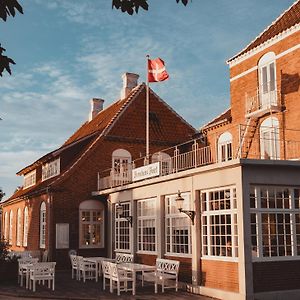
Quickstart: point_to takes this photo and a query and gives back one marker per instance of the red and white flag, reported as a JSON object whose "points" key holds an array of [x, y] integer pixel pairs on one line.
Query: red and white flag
{"points": [[156, 70]]}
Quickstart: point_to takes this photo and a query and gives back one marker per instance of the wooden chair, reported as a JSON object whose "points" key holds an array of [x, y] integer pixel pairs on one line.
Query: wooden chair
{"points": [[124, 258], [43, 271], [120, 279], [21, 270], [166, 274], [106, 273], [86, 269], [74, 265]]}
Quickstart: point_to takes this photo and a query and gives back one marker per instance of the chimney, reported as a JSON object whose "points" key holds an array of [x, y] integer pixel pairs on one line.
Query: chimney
{"points": [[130, 81], [96, 107]]}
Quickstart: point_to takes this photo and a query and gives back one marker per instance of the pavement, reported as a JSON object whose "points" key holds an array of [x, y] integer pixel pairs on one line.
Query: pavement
{"points": [[68, 288]]}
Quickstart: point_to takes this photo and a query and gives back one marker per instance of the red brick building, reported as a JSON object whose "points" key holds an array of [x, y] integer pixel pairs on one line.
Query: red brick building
{"points": [[54, 210], [240, 236]]}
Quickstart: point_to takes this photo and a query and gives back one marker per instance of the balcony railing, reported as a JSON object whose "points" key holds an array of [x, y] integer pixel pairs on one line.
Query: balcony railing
{"points": [[263, 99], [278, 144]]}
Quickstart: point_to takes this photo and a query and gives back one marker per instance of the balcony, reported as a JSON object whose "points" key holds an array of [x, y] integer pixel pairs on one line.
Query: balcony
{"points": [[267, 143], [265, 99]]}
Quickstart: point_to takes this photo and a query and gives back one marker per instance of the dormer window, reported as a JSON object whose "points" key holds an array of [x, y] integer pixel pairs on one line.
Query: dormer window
{"points": [[29, 179], [51, 169]]}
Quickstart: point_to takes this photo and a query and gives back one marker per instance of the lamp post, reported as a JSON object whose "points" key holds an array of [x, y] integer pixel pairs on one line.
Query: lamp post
{"points": [[120, 212], [179, 203]]}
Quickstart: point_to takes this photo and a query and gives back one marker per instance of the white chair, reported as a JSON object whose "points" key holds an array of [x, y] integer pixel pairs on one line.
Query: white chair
{"points": [[21, 270], [74, 265], [86, 269], [120, 279], [124, 258], [106, 273], [43, 271], [166, 274]]}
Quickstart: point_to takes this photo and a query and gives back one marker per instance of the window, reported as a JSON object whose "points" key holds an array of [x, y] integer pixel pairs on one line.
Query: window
{"points": [[6, 224], [165, 162], [62, 236], [121, 165], [43, 225], [178, 227], [30, 179], [91, 220], [225, 147], [19, 227], [146, 210], [267, 80], [275, 222], [51, 169], [122, 229], [219, 223], [25, 236], [10, 237], [269, 139]]}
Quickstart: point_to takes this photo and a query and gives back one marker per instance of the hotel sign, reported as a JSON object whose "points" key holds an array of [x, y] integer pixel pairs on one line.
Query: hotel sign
{"points": [[145, 172]]}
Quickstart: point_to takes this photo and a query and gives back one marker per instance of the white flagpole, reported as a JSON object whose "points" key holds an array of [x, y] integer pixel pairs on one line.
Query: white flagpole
{"points": [[147, 113]]}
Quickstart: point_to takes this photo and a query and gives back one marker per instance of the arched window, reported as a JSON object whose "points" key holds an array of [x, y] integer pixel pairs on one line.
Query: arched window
{"points": [[165, 162], [19, 228], [121, 165], [267, 80], [225, 147], [6, 226], [91, 224], [43, 225], [10, 237], [269, 139], [25, 235]]}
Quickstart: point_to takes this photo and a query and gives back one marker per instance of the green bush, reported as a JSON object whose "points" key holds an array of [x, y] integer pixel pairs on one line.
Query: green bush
{"points": [[4, 250]]}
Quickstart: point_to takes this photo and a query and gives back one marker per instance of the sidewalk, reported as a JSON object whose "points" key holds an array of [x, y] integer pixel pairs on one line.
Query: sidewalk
{"points": [[66, 288]]}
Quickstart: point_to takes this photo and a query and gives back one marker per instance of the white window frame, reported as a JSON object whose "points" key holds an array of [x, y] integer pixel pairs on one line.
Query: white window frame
{"points": [[269, 139], [289, 229], [122, 224], [10, 236], [51, 169], [165, 161], [225, 147], [30, 179], [176, 222], [25, 226], [19, 227], [146, 215], [218, 205], [43, 222], [6, 224], [62, 236], [267, 80], [89, 208], [121, 165]]}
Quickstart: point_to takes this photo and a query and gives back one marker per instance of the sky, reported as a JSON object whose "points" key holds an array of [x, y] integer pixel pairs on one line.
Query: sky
{"points": [[69, 51]]}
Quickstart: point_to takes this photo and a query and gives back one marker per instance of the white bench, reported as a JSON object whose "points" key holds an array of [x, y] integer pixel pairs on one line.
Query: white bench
{"points": [[165, 274], [41, 272]]}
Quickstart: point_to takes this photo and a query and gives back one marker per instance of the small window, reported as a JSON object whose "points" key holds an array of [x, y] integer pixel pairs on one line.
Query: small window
{"points": [[19, 228], [26, 220], [91, 223], [165, 162], [10, 237], [6, 224], [43, 225], [121, 166], [30, 179], [51, 169]]}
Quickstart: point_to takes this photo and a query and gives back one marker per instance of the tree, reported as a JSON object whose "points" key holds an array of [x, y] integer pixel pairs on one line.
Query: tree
{"points": [[7, 8], [2, 194], [131, 6]]}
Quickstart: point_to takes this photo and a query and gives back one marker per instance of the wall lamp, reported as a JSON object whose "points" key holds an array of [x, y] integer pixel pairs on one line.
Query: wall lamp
{"points": [[120, 212], [179, 203]]}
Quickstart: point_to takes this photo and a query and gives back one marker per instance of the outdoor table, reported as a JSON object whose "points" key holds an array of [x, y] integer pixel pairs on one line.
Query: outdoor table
{"points": [[98, 261], [134, 268]]}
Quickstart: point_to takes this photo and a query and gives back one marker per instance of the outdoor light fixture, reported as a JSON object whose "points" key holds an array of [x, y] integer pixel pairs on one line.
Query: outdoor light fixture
{"points": [[120, 211], [179, 203]]}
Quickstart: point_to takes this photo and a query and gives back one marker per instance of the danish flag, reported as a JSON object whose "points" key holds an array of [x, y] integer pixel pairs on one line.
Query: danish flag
{"points": [[156, 70]]}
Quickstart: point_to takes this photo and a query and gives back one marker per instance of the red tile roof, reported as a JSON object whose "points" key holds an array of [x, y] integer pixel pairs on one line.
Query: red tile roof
{"points": [[286, 20], [222, 118]]}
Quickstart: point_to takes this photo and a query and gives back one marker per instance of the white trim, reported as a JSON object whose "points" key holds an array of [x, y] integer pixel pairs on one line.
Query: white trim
{"points": [[25, 226], [294, 48], [43, 225], [19, 227], [234, 61]]}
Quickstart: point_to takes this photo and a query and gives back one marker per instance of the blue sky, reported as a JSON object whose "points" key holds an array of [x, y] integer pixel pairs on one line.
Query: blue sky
{"points": [[69, 51]]}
